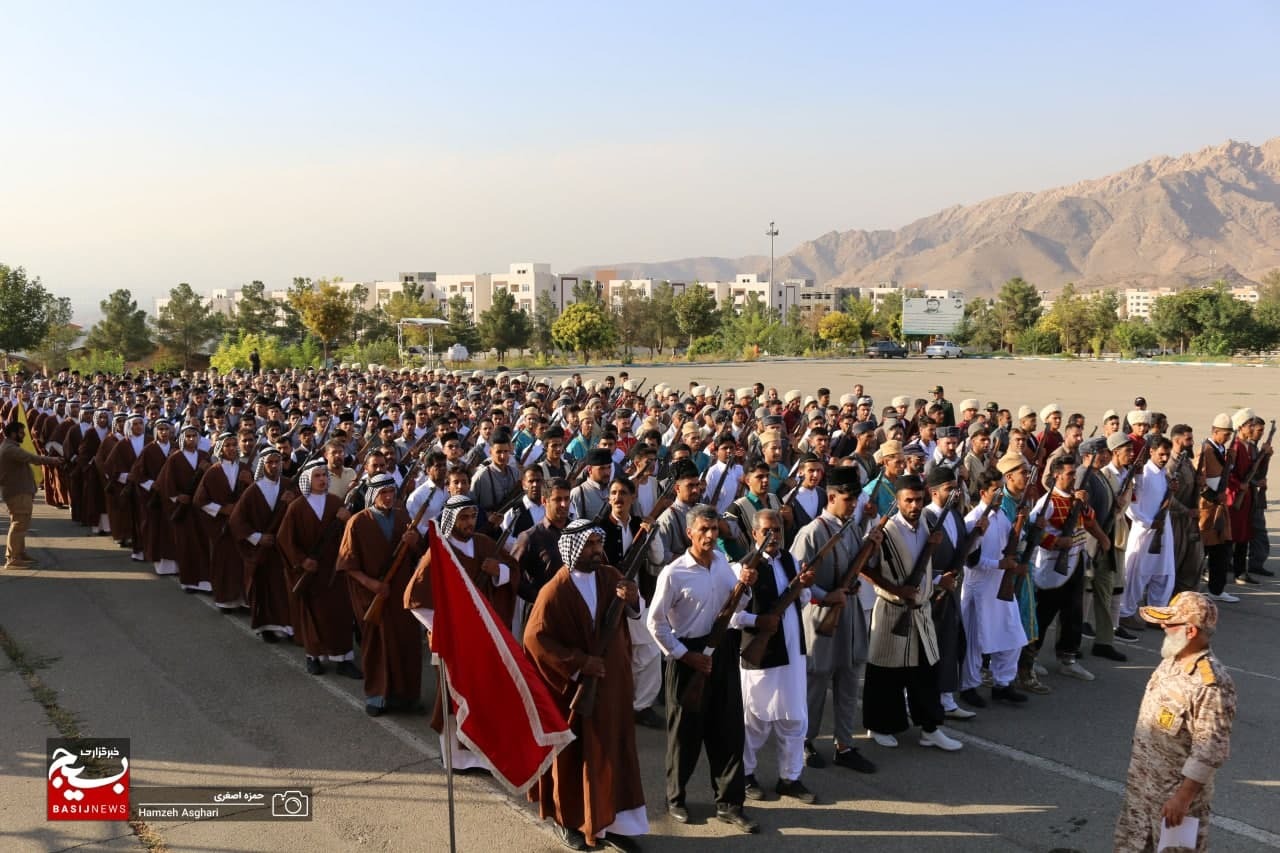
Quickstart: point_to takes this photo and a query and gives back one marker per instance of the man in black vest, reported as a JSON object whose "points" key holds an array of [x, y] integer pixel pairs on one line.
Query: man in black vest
{"points": [[774, 694], [941, 482]]}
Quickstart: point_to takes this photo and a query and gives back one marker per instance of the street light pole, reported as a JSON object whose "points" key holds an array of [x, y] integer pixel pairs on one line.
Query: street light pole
{"points": [[771, 233]]}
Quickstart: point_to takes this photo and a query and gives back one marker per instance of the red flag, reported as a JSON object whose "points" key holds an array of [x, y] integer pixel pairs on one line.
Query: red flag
{"points": [[504, 710]]}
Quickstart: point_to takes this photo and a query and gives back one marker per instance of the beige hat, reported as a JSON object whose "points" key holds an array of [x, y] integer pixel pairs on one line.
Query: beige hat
{"points": [[1186, 608], [890, 448], [1026, 412], [769, 436], [900, 401], [1110, 413], [1010, 462], [848, 400], [1222, 421], [630, 385], [567, 383], [810, 400], [700, 390], [1242, 417], [478, 374], [1048, 410], [970, 403], [1139, 416], [747, 392], [793, 394]]}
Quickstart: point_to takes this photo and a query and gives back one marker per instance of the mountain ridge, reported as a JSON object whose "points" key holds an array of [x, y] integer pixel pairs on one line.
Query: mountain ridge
{"points": [[1168, 221]]}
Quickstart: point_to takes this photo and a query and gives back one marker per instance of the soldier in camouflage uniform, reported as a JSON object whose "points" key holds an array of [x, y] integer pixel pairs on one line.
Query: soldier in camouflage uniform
{"points": [[1183, 733]]}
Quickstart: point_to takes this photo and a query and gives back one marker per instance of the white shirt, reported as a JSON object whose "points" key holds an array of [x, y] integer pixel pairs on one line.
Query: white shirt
{"points": [[687, 599]]}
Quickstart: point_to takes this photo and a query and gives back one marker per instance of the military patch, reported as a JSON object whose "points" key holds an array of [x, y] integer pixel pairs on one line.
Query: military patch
{"points": [[1205, 670], [1166, 719]]}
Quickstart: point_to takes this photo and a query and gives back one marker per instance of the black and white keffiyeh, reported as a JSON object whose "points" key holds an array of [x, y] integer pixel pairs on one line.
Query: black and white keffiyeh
{"points": [[452, 508], [260, 464], [574, 538], [304, 478], [377, 484], [220, 441]]}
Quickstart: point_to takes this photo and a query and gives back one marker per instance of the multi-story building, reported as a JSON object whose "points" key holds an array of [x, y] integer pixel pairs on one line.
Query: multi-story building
{"points": [[1139, 300]]}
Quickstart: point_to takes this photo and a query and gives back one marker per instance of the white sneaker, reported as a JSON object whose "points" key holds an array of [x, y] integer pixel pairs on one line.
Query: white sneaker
{"points": [[940, 739], [887, 741], [1039, 668], [1075, 670], [959, 713], [1225, 597]]}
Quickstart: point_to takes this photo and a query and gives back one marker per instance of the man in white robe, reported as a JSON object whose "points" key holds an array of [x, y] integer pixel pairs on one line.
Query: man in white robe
{"points": [[1146, 574], [774, 694]]}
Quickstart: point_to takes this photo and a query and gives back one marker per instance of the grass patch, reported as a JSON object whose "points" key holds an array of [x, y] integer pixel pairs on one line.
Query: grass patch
{"points": [[67, 724]]}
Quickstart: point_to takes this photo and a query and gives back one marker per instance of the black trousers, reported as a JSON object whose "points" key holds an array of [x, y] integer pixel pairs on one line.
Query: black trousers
{"points": [[1240, 558], [1219, 557], [718, 727], [882, 707], [1067, 603]]}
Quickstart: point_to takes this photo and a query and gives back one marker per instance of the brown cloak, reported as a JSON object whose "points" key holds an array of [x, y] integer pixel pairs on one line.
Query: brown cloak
{"points": [[322, 607], [265, 586], [156, 540], [191, 548], [226, 571]]}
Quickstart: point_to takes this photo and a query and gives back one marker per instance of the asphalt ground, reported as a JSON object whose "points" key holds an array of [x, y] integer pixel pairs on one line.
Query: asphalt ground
{"points": [[126, 654]]}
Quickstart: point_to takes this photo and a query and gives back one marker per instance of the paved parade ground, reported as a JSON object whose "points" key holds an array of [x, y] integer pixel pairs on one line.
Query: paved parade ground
{"points": [[100, 645]]}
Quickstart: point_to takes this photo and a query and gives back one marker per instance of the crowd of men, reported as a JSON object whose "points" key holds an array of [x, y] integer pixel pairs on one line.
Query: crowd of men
{"points": [[711, 562]]}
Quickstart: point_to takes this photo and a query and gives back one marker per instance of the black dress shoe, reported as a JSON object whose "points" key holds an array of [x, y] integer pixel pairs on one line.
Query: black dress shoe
{"points": [[796, 791], [374, 710], [649, 719], [736, 817], [754, 791], [1102, 650], [570, 838], [1243, 579], [973, 698], [314, 666], [349, 669], [853, 760], [1266, 573], [622, 843], [812, 757], [270, 637], [1009, 694], [678, 813]]}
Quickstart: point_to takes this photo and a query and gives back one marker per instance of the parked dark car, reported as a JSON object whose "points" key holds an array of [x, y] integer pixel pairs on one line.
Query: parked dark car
{"points": [[886, 349]]}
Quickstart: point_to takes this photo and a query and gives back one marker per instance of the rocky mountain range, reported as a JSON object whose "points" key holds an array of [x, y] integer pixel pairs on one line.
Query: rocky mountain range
{"points": [[1169, 221]]}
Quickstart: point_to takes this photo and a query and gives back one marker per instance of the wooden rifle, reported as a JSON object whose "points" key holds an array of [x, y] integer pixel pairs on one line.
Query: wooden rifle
{"points": [[1162, 516], [1005, 592], [583, 703], [374, 614], [1061, 564], [724, 475], [902, 625], [971, 539], [692, 695], [830, 617]]}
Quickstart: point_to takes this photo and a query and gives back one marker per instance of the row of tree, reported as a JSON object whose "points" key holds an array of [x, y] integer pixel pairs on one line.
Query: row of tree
{"points": [[317, 320]]}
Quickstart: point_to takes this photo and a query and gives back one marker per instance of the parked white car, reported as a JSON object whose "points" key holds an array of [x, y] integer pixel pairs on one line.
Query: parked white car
{"points": [[943, 349]]}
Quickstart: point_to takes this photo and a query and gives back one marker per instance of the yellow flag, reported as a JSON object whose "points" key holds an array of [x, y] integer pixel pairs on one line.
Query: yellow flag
{"points": [[29, 445]]}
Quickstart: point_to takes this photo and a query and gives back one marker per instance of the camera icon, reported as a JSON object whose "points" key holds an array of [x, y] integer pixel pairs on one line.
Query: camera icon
{"points": [[290, 804]]}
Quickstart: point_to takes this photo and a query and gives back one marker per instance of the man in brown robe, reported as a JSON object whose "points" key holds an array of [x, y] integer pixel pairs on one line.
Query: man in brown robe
{"points": [[105, 448], [94, 512], [125, 517], [219, 489], [253, 525], [57, 492], [157, 543], [308, 541], [75, 475], [176, 483], [390, 648], [489, 569], [593, 788]]}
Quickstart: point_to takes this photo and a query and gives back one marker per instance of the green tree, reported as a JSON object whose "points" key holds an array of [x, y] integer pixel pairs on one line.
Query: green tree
{"points": [[695, 311], [583, 327], [325, 310], [186, 324], [585, 290], [888, 317], [756, 325], [122, 329], [462, 329], [503, 326], [544, 318], [1017, 309], [1173, 319], [53, 351], [660, 327], [1103, 315], [1133, 336], [979, 328], [840, 329], [255, 312], [862, 314], [25, 308], [630, 316], [1266, 314], [1069, 318], [1226, 323]]}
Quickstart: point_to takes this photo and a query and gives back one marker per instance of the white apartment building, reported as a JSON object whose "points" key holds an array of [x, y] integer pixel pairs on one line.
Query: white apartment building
{"points": [[1138, 300], [878, 293]]}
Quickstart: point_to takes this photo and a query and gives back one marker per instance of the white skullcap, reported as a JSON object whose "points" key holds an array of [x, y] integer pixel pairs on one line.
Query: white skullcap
{"points": [[1026, 412], [793, 394]]}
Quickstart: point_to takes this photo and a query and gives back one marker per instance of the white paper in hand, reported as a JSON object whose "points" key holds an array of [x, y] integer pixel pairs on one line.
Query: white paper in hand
{"points": [[1182, 835]]}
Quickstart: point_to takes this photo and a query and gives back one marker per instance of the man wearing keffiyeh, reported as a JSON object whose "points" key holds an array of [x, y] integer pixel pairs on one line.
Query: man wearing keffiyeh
{"points": [[593, 790], [253, 524]]}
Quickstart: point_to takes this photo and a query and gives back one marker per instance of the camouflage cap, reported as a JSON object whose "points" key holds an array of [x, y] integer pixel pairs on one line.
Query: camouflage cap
{"points": [[1186, 608]]}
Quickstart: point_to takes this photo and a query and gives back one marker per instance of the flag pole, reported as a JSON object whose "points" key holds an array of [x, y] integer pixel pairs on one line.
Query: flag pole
{"points": [[449, 738]]}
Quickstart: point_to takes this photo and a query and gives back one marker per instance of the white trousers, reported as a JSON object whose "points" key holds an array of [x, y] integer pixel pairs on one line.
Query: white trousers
{"points": [[1146, 575], [646, 670], [1004, 665], [790, 735]]}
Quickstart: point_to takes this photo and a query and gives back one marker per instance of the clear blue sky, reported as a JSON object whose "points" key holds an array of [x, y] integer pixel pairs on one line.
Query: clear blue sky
{"points": [[151, 143]]}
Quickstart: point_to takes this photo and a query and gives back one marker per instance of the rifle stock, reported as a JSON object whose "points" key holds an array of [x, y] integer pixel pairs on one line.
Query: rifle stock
{"points": [[902, 624], [373, 615], [849, 581]]}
